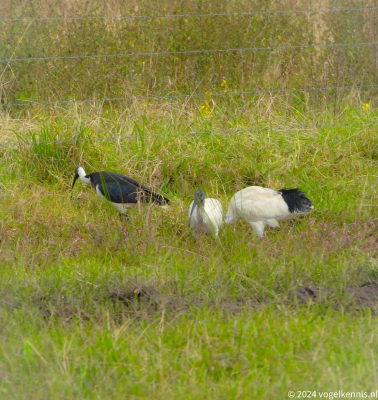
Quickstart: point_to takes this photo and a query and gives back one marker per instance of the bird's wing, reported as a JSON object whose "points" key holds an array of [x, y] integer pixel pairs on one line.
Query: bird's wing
{"points": [[117, 193], [257, 205], [149, 195], [214, 211], [122, 189], [191, 213]]}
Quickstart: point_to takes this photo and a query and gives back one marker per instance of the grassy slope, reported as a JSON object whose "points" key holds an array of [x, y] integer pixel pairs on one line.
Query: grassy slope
{"points": [[61, 336]]}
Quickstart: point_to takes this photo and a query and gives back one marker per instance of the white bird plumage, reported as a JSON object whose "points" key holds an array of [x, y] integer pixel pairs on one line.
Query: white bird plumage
{"points": [[260, 206], [205, 214]]}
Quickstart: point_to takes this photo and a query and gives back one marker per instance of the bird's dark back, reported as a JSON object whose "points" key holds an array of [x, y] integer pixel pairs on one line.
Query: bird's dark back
{"points": [[122, 189]]}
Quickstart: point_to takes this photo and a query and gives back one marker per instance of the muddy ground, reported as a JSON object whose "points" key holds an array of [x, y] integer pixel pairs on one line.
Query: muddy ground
{"points": [[131, 300], [349, 297]]}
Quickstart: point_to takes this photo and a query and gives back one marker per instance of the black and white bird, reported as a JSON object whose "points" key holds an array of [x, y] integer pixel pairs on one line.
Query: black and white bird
{"points": [[205, 214], [260, 206], [121, 191]]}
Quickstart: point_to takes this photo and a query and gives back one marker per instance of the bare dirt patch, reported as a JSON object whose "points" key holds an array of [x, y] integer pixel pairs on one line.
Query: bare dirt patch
{"points": [[135, 300], [147, 296], [350, 297]]}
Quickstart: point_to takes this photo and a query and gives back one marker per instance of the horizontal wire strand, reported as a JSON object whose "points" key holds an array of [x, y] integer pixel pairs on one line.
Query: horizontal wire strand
{"points": [[189, 52], [200, 51], [188, 15], [186, 96]]}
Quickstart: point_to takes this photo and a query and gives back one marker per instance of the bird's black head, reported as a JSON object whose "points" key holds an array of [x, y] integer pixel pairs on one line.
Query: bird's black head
{"points": [[296, 201], [199, 197]]}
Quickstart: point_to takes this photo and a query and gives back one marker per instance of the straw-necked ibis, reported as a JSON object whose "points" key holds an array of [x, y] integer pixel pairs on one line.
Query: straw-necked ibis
{"points": [[121, 191]]}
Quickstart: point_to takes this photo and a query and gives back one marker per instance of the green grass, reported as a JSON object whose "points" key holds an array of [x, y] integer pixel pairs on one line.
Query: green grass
{"points": [[94, 306], [222, 323]]}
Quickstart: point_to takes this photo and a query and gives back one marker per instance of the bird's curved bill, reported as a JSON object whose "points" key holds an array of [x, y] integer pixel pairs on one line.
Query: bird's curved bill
{"points": [[74, 180]]}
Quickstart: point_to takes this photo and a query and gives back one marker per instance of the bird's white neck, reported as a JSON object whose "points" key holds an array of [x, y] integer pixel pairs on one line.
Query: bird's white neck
{"points": [[82, 175]]}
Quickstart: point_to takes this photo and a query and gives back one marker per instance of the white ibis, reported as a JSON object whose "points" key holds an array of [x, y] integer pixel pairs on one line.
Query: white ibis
{"points": [[121, 191], [205, 215], [260, 206]]}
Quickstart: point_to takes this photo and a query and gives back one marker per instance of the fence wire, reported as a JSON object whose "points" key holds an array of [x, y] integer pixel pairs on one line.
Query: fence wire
{"points": [[189, 96], [190, 52], [311, 46], [199, 15]]}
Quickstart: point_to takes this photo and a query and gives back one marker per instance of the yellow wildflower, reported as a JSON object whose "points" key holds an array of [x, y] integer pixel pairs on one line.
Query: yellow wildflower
{"points": [[205, 109]]}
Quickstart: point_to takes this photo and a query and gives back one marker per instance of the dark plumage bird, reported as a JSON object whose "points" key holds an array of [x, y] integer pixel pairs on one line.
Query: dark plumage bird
{"points": [[260, 206], [121, 191]]}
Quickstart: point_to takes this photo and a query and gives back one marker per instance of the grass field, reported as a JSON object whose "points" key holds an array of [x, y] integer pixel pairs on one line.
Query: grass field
{"points": [[94, 306], [208, 318]]}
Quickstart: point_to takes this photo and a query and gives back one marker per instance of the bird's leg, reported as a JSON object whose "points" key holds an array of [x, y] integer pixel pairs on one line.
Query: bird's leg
{"points": [[148, 217], [124, 216]]}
